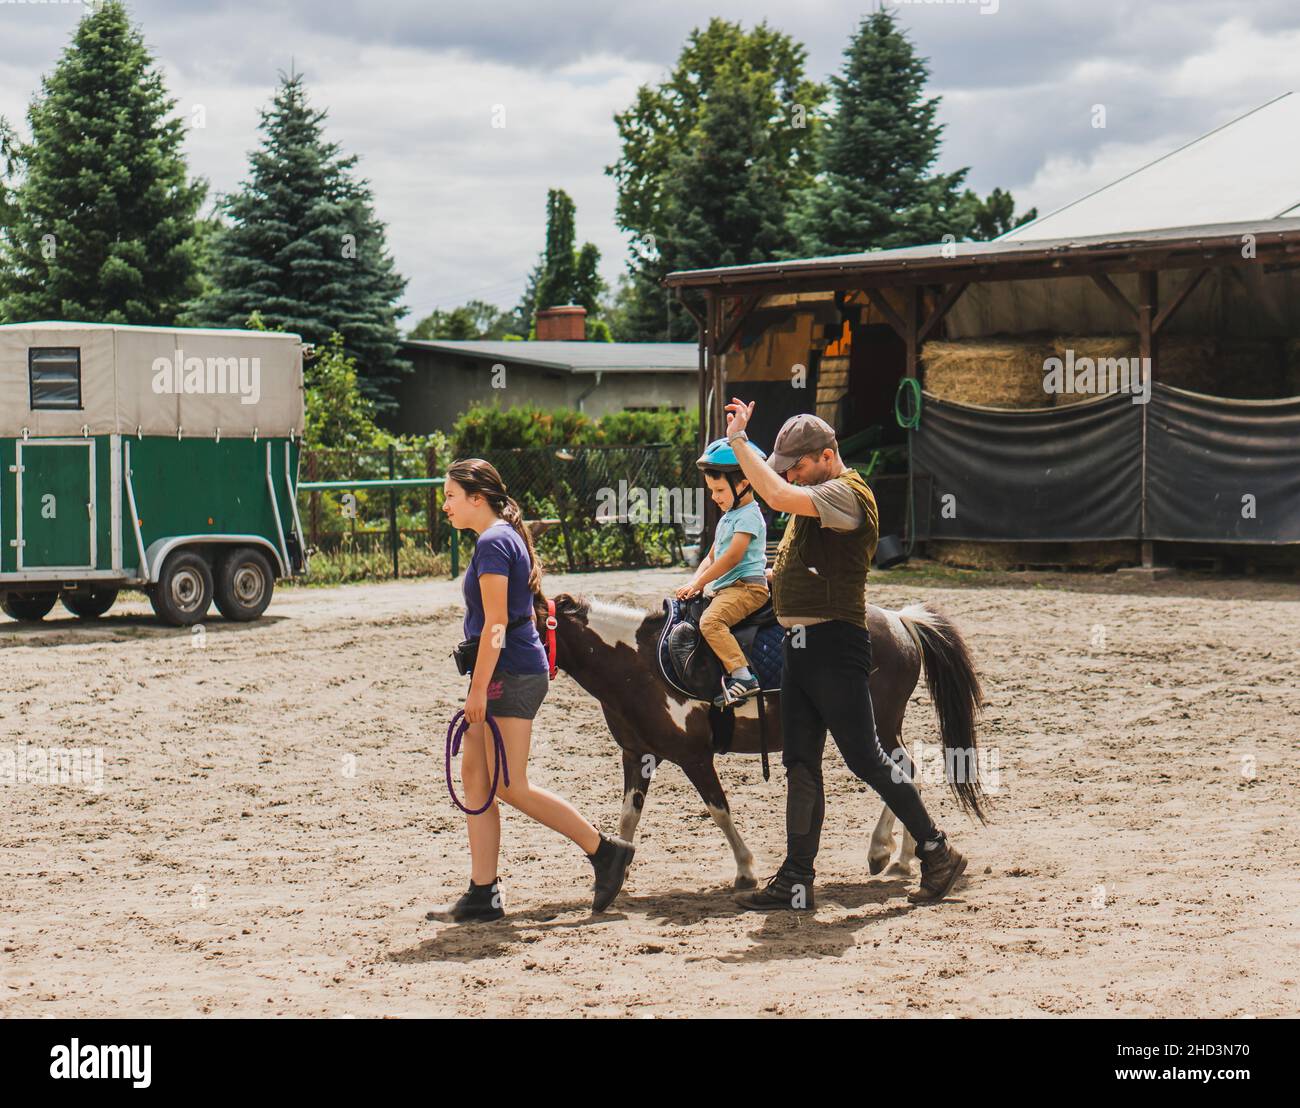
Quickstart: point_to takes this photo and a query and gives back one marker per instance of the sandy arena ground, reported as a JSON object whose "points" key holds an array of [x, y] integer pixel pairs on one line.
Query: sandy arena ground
{"points": [[273, 824]]}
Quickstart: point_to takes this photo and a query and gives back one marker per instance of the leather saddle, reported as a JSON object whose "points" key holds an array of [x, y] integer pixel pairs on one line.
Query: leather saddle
{"points": [[687, 663]]}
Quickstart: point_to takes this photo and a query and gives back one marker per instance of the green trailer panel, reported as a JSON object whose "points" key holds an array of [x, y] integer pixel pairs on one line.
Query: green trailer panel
{"points": [[173, 439], [199, 487], [55, 504]]}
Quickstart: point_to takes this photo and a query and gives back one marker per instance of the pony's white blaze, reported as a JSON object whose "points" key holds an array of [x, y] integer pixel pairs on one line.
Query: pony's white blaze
{"points": [[614, 623]]}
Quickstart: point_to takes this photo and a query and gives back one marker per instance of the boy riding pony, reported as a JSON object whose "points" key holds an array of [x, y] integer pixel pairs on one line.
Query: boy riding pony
{"points": [[736, 567]]}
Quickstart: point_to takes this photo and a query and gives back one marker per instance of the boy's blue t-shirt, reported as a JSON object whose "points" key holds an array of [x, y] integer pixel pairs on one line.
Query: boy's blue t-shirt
{"points": [[749, 519], [500, 550]]}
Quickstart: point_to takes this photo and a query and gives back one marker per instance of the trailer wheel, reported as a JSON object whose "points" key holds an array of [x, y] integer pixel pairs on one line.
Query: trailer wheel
{"points": [[28, 606], [244, 583], [88, 603], [184, 589]]}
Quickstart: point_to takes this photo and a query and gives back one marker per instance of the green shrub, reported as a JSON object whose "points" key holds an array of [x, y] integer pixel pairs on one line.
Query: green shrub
{"points": [[483, 429]]}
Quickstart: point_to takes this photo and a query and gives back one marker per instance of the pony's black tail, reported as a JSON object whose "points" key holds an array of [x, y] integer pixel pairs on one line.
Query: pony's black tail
{"points": [[955, 692]]}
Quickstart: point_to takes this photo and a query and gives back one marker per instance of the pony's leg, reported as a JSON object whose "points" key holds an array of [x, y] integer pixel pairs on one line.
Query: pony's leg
{"points": [[882, 841], [704, 777], [903, 866], [878, 857], [638, 772]]}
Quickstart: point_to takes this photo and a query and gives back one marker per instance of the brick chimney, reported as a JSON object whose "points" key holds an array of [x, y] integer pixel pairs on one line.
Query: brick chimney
{"points": [[567, 323]]}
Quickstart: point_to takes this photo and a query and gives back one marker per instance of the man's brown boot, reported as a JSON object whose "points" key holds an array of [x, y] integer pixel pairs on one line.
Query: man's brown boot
{"points": [[940, 869]]}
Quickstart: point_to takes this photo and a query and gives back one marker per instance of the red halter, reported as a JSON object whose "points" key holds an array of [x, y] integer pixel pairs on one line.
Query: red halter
{"points": [[551, 624]]}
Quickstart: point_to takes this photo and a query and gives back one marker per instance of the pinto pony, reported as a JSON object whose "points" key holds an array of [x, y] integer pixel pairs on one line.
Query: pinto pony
{"points": [[610, 650]]}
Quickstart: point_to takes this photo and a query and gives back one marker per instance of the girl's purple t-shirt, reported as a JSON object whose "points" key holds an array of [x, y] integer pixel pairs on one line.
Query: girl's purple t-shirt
{"points": [[500, 550]]}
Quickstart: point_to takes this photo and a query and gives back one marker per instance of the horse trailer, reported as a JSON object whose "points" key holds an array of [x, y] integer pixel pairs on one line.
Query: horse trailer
{"points": [[158, 458]]}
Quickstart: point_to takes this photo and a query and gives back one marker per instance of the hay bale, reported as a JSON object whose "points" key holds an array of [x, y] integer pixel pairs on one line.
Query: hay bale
{"points": [[1008, 373], [994, 372], [1095, 347], [974, 555], [1189, 362], [1251, 369], [1099, 555]]}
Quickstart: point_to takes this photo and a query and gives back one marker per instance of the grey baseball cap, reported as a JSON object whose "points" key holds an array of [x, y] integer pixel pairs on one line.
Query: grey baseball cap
{"points": [[799, 435]]}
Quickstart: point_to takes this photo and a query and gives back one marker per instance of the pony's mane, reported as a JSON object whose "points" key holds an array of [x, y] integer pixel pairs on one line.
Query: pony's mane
{"points": [[584, 606], [595, 606]]}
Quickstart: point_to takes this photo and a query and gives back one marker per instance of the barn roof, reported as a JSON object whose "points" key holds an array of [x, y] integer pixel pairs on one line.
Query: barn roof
{"points": [[1246, 170], [981, 259], [575, 357], [1195, 203]]}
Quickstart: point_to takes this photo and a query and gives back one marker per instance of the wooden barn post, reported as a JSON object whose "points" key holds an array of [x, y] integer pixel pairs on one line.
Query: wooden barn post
{"points": [[1148, 297], [911, 324]]}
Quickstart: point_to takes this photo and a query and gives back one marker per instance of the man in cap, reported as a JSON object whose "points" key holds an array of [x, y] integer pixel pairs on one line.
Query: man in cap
{"points": [[819, 581]]}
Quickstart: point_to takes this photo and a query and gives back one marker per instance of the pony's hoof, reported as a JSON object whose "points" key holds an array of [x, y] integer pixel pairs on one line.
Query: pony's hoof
{"points": [[875, 865], [899, 869], [745, 883]]}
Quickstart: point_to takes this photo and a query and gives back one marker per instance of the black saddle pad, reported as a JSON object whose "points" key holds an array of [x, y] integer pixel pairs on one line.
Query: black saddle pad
{"points": [[688, 663]]}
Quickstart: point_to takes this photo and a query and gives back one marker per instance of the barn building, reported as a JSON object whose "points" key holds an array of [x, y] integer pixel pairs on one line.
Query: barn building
{"points": [[1116, 382]]}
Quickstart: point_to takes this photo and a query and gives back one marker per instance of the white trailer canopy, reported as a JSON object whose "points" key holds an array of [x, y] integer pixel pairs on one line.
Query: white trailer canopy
{"points": [[60, 378]]}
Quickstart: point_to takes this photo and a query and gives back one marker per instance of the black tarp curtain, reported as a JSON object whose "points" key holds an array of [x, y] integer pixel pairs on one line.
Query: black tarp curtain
{"points": [[1184, 467]]}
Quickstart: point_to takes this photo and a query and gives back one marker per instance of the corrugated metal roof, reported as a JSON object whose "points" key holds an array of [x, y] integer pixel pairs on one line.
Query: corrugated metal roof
{"points": [[956, 256], [1248, 169], [1241, 178], [576, 357]]}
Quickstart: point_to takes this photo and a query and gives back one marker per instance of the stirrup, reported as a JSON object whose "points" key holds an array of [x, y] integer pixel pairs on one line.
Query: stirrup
{"points": [[730, 701]]}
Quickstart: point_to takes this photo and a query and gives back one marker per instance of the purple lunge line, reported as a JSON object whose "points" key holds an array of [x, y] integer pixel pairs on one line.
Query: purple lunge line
{"points": [[500, 766]]}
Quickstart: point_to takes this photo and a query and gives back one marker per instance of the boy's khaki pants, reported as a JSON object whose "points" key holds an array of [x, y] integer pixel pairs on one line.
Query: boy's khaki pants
{"points": [[729, 606]]}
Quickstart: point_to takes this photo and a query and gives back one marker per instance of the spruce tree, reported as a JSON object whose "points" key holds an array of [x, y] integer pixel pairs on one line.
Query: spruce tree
{"points": [[304, 249], [100, 226], [875, 187]]}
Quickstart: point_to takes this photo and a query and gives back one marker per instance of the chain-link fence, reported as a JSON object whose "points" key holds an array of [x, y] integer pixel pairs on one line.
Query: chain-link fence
{"points": [[607, 506], [368, 522], [596, 506]]}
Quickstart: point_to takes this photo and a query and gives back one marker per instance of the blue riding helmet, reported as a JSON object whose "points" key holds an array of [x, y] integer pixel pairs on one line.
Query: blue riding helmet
{"points": [[720, 456]]}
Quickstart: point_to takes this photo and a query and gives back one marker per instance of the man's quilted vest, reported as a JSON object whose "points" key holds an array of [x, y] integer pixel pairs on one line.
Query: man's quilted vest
{"points": [[841, 559]]}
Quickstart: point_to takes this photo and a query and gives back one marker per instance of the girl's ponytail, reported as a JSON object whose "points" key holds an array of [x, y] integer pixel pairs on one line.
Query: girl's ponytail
{"points": [[514, 516]]}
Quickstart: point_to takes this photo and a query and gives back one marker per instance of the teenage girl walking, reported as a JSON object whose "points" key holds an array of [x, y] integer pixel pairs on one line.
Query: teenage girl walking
{"points": [[509, 680]]}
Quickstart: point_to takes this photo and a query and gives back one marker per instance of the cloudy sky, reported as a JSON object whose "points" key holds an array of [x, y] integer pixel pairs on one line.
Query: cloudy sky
{"points": [[411, 86]]}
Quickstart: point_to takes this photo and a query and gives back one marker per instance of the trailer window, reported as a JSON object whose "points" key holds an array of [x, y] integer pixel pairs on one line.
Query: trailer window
{"points": [[54, 377]]}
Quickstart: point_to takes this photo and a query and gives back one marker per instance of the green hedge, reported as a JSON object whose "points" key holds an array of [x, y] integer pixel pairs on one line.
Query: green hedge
{"points": [[484, 429]]}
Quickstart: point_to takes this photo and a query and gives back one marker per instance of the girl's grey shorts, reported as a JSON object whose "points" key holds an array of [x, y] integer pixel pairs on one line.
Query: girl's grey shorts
{"points": [[516, 695]]}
